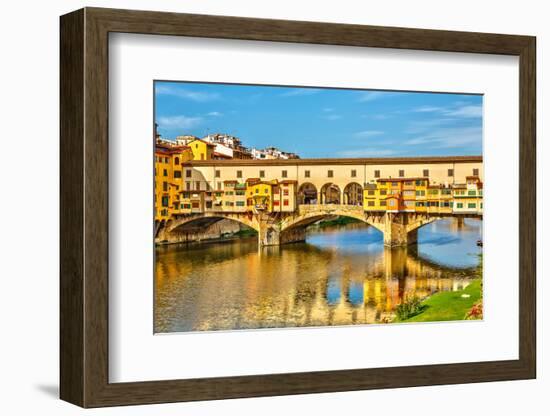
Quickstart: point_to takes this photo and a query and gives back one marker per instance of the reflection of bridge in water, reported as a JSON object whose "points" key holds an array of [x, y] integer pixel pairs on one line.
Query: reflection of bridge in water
{"points": [[399, 273], [398, 228], [273, 289]]}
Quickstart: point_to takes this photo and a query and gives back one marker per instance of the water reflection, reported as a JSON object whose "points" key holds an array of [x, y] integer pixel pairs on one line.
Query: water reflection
{"points": [[340, 276]]}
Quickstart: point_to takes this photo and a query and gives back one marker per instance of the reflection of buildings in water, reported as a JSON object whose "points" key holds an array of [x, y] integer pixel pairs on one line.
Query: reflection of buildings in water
{"points": [[297, 285], [399, 275], [455, 226]]}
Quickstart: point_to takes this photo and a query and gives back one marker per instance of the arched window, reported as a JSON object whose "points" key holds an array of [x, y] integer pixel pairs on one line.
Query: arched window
{"points": [[330, 194], [177, 161], [353, 194], [307, 194]]}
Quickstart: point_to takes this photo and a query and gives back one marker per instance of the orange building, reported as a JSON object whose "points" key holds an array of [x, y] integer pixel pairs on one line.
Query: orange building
{"points": [[168, 178]]}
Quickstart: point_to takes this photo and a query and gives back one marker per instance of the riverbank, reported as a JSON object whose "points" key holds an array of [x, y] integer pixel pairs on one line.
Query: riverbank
{"points": [[217, 232], [337, 221], [448, 306], [245, 233], [226, 238]]}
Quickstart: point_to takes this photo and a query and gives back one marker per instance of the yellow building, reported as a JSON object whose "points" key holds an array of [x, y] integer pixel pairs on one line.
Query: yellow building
{"points": [[421, 189], [406, 195], [439, 199], [433, 199], [374, 196], [394, 200], [271, 196], [168, 178], [259, 195], [384, 195], [445, 200], [201, 150], [409, 195], [468, 197]]}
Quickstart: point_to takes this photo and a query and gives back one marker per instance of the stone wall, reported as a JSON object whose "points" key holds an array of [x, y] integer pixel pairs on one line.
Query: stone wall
{"points": [[199, 233]]}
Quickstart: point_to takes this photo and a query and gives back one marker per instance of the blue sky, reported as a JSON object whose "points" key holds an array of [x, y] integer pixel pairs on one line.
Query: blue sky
{"points": [[323, 122]]}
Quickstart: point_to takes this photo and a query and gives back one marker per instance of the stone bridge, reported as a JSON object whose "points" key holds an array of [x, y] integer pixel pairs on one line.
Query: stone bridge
{"points": [[207, 218], [398, 228]]}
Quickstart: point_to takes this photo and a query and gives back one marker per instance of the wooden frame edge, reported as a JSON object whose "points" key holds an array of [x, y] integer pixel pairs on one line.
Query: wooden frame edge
{"points": [[528, 208], [72, 367], [84, 208]]}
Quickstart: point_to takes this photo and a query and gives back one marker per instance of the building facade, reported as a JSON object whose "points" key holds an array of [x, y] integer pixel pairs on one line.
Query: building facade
{"points": [[271, 153], [186, 184]]}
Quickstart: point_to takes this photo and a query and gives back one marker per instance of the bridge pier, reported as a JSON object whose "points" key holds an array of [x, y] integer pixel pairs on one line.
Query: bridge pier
{"points": [[270, 234], [397, 231], [396, 235]]}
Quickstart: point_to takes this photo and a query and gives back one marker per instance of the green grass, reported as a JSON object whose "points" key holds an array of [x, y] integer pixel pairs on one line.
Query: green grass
{"points": [[448, 306], [245, 232], [338, 221]]}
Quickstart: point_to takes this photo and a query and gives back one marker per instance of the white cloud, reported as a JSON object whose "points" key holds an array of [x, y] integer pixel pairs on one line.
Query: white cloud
{"points": [[296, 92], [214, 114], [199, 96], [461, 111], [367, 153], [366, 96], [421, 126], [368, 133], [333, 117], [467, 111], [179, 122], [450, 137], [428, 109]]}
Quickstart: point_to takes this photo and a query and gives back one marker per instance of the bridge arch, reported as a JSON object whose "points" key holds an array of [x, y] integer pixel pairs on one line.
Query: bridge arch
{"points": [[417, 221], [420, 220], [158, 226], [308, 215], [330, 194], [353, 194], [307, 194], [249, 220]]}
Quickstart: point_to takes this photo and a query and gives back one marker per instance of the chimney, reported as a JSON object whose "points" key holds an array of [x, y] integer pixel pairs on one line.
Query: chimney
{"points": [[157, 134]]}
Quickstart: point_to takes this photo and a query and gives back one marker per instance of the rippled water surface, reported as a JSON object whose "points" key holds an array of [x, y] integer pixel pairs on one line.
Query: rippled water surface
{"points": [[339, 276]]}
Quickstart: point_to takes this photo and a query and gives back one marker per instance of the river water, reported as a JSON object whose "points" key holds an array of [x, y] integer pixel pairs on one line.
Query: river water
{"points": [[340, 276]]}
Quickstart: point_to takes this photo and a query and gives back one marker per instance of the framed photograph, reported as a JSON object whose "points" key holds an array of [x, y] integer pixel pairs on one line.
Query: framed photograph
{"points": [[255, 207]]}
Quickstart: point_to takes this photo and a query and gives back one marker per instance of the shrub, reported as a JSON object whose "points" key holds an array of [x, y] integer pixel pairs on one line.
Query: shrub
{"points": [[476, 312], [408, 308]]}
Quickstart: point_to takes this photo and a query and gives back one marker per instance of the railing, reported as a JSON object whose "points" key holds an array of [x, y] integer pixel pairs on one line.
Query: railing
{"points": [[305, 208]]}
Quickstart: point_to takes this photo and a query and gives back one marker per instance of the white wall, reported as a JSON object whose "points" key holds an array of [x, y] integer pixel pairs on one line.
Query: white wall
{"points": [[29, 259]]}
